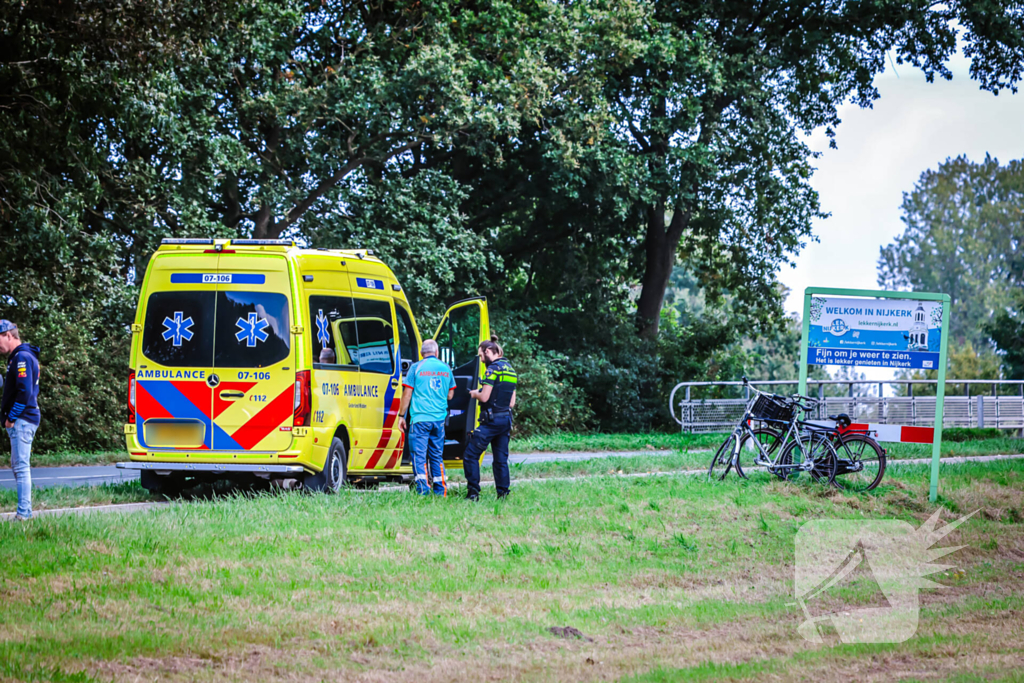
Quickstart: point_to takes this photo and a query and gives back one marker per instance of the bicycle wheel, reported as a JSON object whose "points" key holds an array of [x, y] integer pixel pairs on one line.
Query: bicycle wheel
{"points": [[722, 462], [813, 455], [750, 459], [861, 463]]}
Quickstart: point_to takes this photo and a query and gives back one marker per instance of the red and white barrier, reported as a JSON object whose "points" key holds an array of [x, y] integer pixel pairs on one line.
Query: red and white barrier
{"points": [[886, 433]]}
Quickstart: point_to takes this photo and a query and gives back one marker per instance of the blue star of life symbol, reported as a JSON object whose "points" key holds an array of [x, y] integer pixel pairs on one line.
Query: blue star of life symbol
{"points": [[323, 333], [252, 329], [178, 329]]}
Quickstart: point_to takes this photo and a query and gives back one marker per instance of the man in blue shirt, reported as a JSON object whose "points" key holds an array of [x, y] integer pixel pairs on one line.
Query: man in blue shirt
{"points": [[427, 388], [19, 409]]}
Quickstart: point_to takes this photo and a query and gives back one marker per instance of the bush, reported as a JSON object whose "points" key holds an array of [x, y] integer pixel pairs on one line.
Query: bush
{"points": [[546, 401], [959, 434]]}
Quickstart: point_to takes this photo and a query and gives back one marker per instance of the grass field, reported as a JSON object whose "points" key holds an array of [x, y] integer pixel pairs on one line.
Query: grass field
{"points": [[568, 443], [665, 578]]}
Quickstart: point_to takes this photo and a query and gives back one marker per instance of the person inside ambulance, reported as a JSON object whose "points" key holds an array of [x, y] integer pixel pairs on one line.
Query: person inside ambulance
{"points": [[427, 388], [497, 397]]}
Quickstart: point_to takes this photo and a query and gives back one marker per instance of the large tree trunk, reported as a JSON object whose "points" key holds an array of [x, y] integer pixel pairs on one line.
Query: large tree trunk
{"points": [[660, 245]]}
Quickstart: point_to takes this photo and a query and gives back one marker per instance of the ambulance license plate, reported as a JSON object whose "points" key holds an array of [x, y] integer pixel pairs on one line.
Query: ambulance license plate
{"points": [[169, 433]]}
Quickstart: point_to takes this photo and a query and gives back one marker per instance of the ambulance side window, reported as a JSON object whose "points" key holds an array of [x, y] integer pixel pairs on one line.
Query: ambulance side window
{"points": [[375, 330], [332, 330], [407, 351]]}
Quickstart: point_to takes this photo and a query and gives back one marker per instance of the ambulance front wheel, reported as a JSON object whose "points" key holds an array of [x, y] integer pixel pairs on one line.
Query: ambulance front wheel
{"points": [[335, 472]]}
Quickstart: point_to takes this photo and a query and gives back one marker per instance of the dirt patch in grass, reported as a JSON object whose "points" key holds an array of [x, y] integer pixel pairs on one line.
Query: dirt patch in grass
{"points": [[975, 639]]}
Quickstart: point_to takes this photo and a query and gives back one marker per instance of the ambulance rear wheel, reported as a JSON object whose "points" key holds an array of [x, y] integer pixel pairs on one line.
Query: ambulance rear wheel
{"points": [[166, 484], [335, 472]]}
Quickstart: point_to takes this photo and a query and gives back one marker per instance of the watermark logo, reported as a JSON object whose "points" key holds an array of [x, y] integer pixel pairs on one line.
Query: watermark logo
{"points": [[891, 553]]}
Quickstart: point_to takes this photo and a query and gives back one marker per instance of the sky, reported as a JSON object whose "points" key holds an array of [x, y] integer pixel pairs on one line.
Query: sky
{"points": [[913, 126]]}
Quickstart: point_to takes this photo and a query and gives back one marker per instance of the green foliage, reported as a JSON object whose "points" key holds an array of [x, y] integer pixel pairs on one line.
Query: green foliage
{"points": [[964, 230], [415, 226], [1006, 328], [546, 402], [962, 362], [559, 158], [962, 434], [66, 297]]}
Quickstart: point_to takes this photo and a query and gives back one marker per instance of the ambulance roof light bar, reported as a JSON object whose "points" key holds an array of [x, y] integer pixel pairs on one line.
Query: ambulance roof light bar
{"points": [[276, 243], [186, 240]]}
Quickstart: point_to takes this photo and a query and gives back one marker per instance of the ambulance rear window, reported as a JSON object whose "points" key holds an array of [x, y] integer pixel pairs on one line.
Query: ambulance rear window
{"points": [[178, 330], [253, 329]]}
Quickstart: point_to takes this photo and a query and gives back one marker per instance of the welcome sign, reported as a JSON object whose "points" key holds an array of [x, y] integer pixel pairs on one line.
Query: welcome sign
{"points": [[881, 333], [882, 330]]}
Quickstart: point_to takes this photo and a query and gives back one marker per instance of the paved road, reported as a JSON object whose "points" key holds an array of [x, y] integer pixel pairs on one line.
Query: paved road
{"points": [[44, 477]]}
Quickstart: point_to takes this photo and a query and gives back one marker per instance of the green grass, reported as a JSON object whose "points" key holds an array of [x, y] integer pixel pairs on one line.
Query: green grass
{"points": [[999, 446], [671, 577], [568, 442], [77, 496]]}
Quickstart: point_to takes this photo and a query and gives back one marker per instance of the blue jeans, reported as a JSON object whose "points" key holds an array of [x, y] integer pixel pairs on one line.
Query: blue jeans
{"points": [[21, 435], [495, 434], [426, 442]]}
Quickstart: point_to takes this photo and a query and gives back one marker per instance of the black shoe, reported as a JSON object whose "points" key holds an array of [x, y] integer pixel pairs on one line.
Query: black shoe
{"points": [[473, 499]]}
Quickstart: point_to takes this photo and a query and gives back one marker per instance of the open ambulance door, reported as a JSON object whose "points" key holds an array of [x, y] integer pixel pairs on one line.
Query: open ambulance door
{"points": [[462, 329]]}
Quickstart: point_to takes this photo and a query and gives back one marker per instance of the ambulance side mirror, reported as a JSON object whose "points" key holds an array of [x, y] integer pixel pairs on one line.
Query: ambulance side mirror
{"points": [[405, 365]]}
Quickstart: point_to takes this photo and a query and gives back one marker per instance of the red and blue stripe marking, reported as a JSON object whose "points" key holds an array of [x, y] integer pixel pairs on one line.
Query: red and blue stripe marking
{"points": [[195, 400]]}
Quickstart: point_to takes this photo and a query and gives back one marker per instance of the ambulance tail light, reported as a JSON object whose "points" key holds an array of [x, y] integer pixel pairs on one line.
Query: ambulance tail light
{"points": [[303, 404], [131, 397]]}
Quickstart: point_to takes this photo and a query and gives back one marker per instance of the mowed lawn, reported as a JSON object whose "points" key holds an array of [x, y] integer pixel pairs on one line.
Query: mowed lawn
{"points": [[697, 447], [664, 578]]}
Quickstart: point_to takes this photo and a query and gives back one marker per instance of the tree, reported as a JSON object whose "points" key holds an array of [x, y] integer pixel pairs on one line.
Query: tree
{"points": [[1006, 328], [714, 108], [69, 72], [964, 230], [963, 362]]}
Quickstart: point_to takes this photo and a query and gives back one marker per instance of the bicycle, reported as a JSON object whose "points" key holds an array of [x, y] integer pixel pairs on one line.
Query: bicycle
{"points": [[799, 450], [860, 459]]}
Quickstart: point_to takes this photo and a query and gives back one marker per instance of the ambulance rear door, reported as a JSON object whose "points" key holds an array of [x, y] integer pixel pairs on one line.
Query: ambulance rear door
{"points": [[173, 400], [254, 358], [464, 326]]}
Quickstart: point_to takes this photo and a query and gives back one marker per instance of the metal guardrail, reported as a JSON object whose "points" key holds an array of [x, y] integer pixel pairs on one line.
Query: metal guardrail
{"points": [[1002, 406]]}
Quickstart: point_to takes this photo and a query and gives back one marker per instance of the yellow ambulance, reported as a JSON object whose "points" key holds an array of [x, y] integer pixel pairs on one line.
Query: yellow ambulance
{"points": [[255, 358]]}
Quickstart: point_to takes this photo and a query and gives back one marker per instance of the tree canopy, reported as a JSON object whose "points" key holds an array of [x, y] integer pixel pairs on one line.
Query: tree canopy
{"points": [[964, 237], [561, 158]]}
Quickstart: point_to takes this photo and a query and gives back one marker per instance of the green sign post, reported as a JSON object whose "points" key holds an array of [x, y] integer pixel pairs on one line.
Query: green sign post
{"points": [[869, 328]]}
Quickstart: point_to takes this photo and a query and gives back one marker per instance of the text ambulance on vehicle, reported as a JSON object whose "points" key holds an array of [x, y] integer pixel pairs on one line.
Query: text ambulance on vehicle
{"points": [[254, 358]]}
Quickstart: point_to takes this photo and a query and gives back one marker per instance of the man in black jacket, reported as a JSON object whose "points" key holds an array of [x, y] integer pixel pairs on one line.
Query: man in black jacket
{"points": [[19, 409]]}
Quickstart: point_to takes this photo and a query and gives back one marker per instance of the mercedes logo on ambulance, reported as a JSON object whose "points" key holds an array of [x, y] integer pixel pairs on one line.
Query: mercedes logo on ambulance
{"points": [[213, 380]]}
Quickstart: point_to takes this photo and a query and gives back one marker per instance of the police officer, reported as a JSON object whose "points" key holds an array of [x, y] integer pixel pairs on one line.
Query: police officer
{"points": [[497, 396]]}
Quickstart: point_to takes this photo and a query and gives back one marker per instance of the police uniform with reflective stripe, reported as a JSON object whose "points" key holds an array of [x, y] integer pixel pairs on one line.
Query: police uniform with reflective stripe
{"points": [[495, 427]]}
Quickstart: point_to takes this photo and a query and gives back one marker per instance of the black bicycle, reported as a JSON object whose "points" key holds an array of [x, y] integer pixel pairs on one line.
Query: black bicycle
{"points": [[786, 453], [860, 460]]}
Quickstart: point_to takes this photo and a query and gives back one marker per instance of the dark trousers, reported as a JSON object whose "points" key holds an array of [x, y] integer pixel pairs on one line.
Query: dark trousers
{"points": [[495, 433]]}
